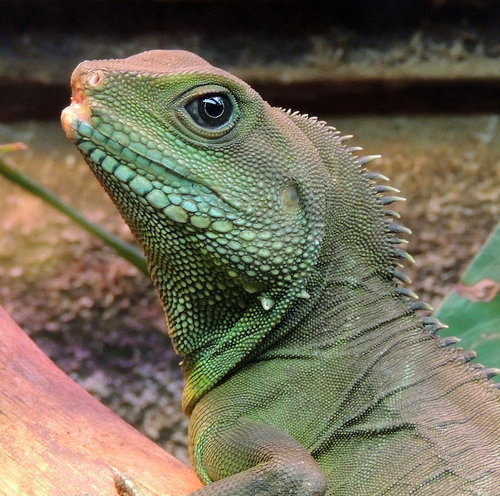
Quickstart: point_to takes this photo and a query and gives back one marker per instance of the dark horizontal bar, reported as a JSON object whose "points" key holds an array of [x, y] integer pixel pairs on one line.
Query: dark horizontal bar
{"points": [[387, 97], [38, 101]]}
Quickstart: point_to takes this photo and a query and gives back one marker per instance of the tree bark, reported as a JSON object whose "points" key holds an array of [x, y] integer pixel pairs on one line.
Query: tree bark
{"points": [[56, 439]]}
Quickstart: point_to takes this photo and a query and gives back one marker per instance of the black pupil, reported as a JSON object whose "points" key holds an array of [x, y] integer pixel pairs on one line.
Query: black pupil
{"points": [[213, 106], [211, 111]]}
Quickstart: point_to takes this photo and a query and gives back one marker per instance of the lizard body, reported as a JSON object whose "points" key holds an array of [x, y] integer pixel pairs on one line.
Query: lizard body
{"points": [[308, 370]]}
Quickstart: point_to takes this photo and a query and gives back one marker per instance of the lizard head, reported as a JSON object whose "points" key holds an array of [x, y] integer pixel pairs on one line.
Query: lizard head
{"points": [[248, 214], [210, 181]]}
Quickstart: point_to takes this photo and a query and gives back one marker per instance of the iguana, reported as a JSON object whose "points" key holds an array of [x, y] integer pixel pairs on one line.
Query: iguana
{"points": [[308, 370]]}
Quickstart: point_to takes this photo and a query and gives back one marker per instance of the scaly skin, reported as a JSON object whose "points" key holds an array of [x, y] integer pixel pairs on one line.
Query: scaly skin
{"points": [[308, 371]]}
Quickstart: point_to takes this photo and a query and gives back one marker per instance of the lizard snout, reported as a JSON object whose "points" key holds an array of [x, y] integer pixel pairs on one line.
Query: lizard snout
{"points": [[78, 110]]}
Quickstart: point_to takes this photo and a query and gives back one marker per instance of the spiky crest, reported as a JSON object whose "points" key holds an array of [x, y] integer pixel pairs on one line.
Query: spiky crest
{"points": [[430, 324]]}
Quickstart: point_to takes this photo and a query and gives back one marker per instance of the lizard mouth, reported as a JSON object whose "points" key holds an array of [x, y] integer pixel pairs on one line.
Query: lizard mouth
{"points": [[77, 124]]}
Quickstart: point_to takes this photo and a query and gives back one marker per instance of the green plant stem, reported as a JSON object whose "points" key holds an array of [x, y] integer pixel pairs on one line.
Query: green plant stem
{"points": [[124, 249]]}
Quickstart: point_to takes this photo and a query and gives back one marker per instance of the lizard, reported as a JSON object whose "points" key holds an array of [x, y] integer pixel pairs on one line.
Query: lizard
{"points": [[309, 367]]}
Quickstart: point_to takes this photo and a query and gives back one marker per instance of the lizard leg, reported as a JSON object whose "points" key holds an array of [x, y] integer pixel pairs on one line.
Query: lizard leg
{"points": [[254, 459]]}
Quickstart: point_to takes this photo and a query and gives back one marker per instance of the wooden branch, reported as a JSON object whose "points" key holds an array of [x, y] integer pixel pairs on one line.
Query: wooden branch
{"points": [[57, 439]]}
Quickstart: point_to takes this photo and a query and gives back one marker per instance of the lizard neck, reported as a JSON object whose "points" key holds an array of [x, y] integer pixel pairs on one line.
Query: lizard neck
{"points": [[215, 327], [349, 306], [357, 273], [351, 298]]}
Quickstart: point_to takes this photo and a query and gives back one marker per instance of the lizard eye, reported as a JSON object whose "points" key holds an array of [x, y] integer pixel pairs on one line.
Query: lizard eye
{"points": [[211, 111]]}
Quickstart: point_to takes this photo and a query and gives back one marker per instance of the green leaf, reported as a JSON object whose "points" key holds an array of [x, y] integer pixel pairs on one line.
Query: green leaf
{"points": [[477, 323]]}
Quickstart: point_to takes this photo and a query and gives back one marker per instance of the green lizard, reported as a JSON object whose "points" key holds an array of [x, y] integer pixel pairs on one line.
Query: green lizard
{"points": [[308, 370]]}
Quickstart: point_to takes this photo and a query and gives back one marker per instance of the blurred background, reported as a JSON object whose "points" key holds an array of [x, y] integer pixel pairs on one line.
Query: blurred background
{"points": [[417, 81]]}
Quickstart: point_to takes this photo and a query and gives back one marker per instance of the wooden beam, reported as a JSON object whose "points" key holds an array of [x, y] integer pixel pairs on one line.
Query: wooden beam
{"points": [[57, 439]]}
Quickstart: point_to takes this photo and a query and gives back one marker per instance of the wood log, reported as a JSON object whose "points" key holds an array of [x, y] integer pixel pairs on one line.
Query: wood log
{"points": [[57, 439]]}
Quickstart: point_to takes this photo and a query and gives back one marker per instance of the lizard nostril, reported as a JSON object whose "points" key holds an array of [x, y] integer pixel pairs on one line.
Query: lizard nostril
{"points": [[95, 78]]}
